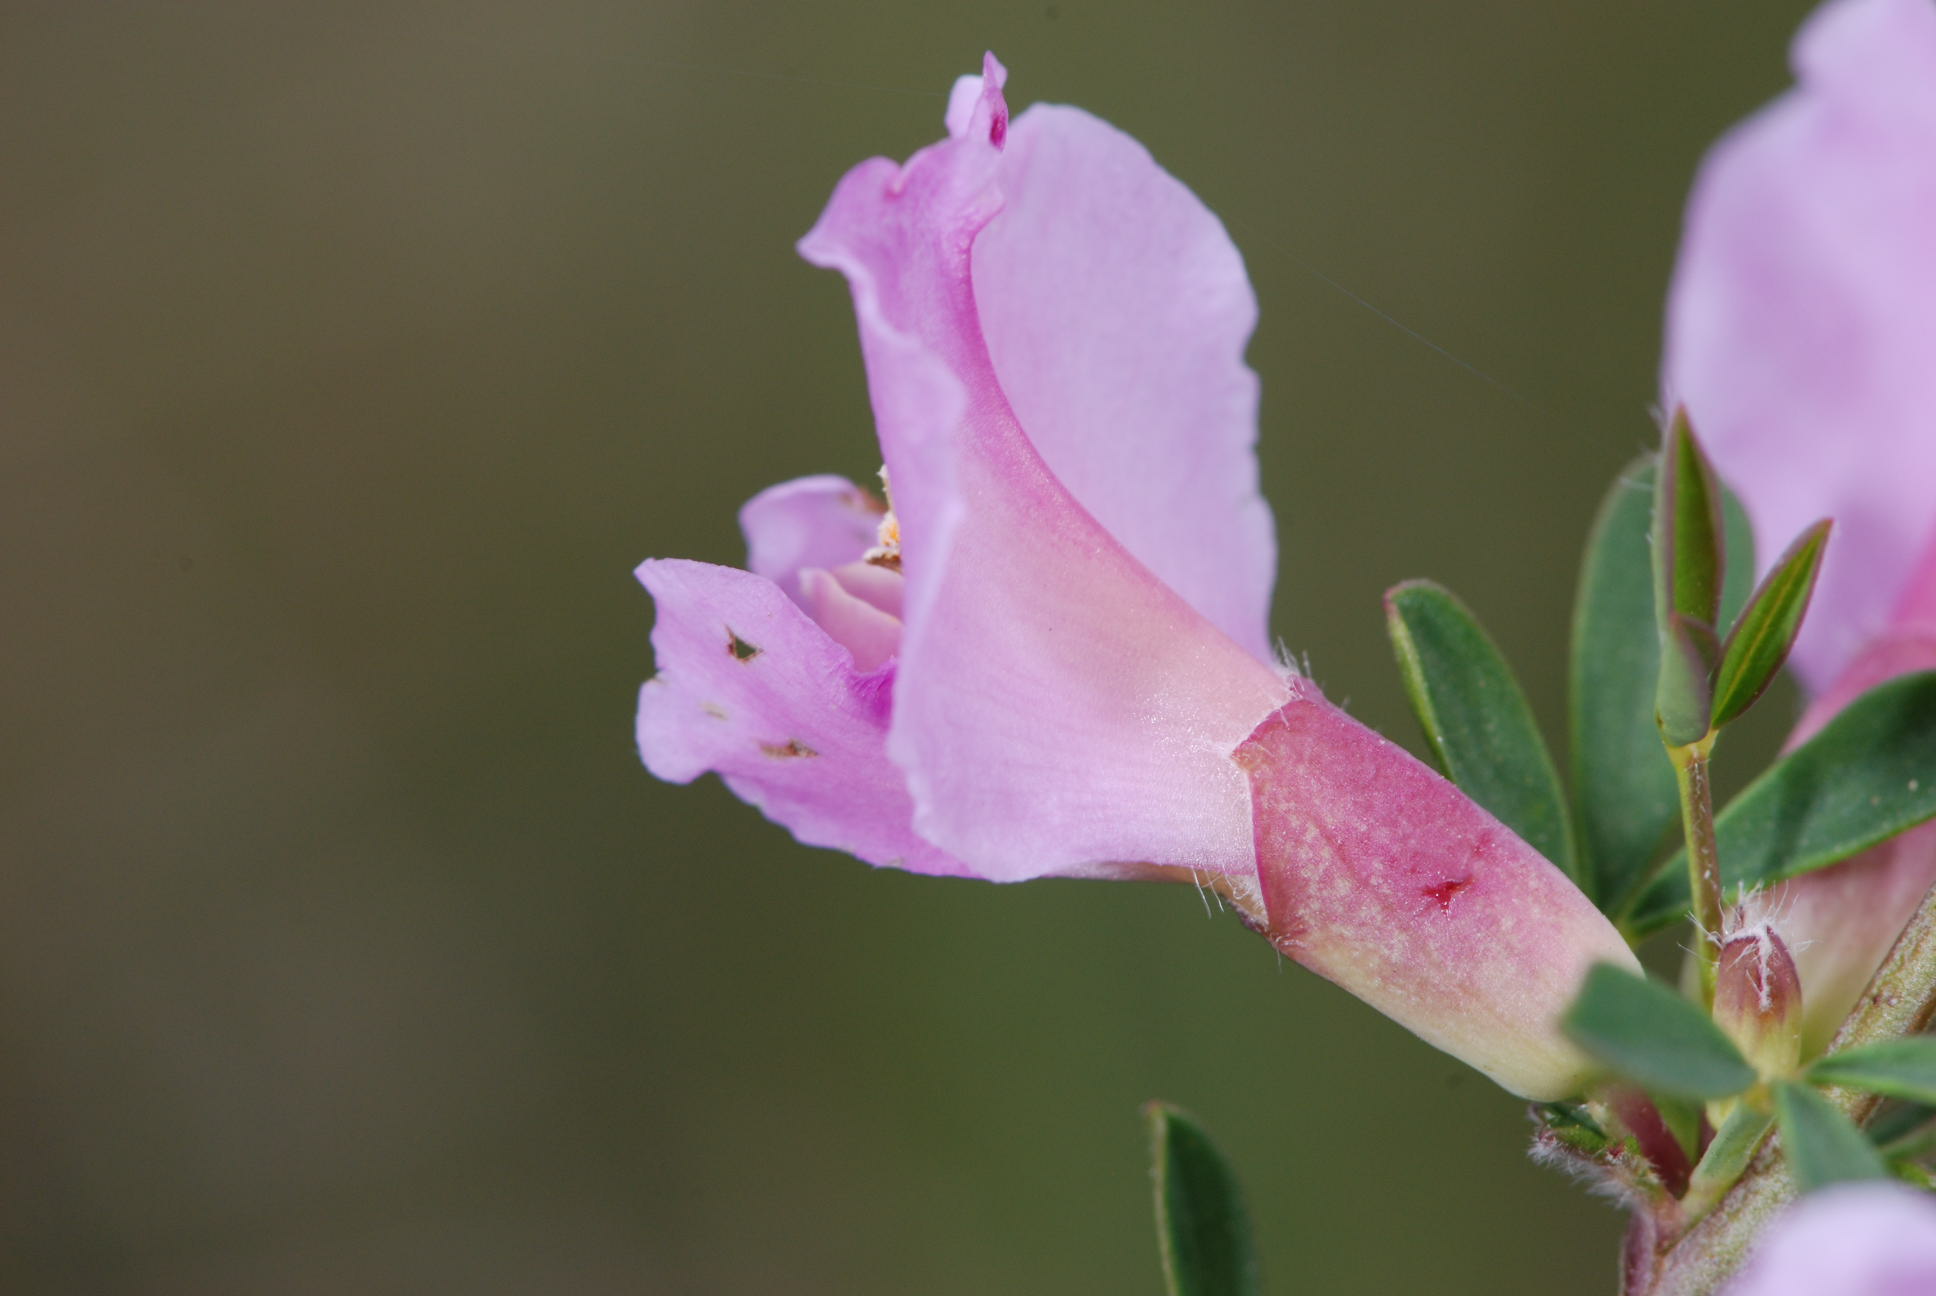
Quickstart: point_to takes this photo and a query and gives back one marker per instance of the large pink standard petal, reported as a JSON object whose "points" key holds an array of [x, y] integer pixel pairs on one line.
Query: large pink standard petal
{"points": [[1059, 708], [1801, 326]]}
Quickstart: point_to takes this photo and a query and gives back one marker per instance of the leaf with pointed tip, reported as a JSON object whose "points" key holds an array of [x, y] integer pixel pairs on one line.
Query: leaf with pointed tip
{"points": [[1759, 642], [1896, 1068], [1202, 1228], [1688, 538], [1476, 720], [1642, 1030], [1623, 784], [1684, 699], [1868, 775], [1824, 1146]]}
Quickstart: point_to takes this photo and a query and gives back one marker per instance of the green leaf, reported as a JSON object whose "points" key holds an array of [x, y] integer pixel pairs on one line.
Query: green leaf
{"points": [[1823, 1145], [1684, 698], [1727, 1156], [1623, 783], [1688, 538], [1868, 775], [1201, 1225], [1759, 642], [1897, 1068], [1647, 1033], [1476, 720]]}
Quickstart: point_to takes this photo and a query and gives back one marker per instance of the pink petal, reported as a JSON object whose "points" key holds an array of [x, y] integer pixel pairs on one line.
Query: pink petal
{"points": [[1841, 922], [820, 521], [750, 687], [1867, 1239], [1116, 310], [1058, 708], [1381, 876], [870, 634], [1801, 329]]}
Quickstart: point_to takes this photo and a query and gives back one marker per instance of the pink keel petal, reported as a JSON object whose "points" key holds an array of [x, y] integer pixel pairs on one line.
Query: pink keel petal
{"points": [[750, 687], [1058, 709], [856, 625], [808, 522], [1801, 330], [1870, 1239], [1381, 876], [1116, 311]]}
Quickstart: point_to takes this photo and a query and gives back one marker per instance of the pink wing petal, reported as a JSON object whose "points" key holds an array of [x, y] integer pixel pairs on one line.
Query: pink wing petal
{"points": [[1868, 1239], [1801, 328], [820, 522], [750, 687], [1116, 310], [1058, 708]]}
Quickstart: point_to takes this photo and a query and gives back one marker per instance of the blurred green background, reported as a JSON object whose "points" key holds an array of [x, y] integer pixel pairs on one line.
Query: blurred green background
{"points": [[351, 355]]}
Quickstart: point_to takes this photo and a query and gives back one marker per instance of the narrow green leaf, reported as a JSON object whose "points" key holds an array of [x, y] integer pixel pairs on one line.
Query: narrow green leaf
{"points": [[1897, 1123], [1727, 1156], [1476, 720], [1688, 538], [1649, 1034], [1824, 1146], [1202, 1228], [1684, 698], [1759, 642], [1897, 1068], [1868, 775], [1623, 784]]}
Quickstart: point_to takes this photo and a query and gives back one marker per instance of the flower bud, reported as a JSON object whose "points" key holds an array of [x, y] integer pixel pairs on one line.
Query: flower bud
{"points": [[1758, 1000]]}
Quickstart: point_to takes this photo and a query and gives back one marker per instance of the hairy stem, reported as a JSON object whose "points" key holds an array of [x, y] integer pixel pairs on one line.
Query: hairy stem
{"points": [[1703, 855]]}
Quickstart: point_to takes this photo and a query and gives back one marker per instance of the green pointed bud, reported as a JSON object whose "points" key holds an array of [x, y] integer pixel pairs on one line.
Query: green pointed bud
{"points": [[1759, 642], [1688, 537], [1758, 1000]]}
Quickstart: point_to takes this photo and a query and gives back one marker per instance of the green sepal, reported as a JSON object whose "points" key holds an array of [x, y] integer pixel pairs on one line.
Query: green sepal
{"points": [[1688, 539], [1759, 642], [1645, 1032], [1625, 800], [1868, 775], [1202, 1228], [1896, 1068], [1684, 698], [1476, 719], [1574, 1126], [1823, 1145]]}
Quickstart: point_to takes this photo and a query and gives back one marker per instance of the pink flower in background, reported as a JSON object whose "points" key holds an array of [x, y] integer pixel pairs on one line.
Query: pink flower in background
{"points": [[1801, 336], [1051, 657], [1869, 1239]]}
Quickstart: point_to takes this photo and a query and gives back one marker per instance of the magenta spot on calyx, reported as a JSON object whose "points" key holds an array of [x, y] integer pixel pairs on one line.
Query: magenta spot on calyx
{"points": [[998, 127], [1442, 893]]}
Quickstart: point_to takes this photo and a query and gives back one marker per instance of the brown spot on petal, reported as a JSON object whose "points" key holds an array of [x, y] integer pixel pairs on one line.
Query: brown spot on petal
{"points": [[787, 750], [713, 709], [1442, 893], [739, 648]]}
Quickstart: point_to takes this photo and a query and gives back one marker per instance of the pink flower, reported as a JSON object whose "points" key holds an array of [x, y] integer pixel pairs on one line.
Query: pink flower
{"points": [[1869, 1239], [1801, 335], [1052, 656]]}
